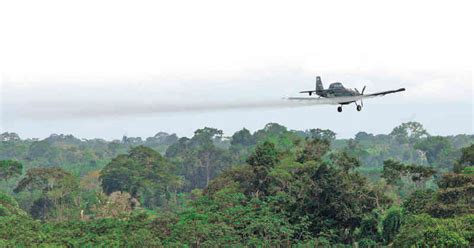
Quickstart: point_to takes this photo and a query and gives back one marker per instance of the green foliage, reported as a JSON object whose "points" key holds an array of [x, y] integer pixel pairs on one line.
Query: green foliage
{"points": [[355, 149], [367, 243], [454, 197], [408, 132], [322, 134], [344, 161], [46, 180], [466, 160], [10, 169], [58, 191], [373, 150], [137, 231], [277, 134], [200, 158], [78, 156], [262, 160], [314, 150], [232, 218], [333, 197], [143, 173], [441, 236], [394, 172], [326, 199], [418, 201], [468, 170], [273, 188], [243, 138], [117, 205], [264, 155], [8, 206], [239, 178], [19, 231], [391, 224], [439, 151], [425, 231], [369, 229]]}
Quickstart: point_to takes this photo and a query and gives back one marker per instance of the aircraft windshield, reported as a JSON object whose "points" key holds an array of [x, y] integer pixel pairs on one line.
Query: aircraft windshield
{"points": [[335, 86]]}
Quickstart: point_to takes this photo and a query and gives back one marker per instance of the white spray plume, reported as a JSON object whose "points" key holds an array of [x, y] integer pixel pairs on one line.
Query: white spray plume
{"points": [[97, 110]]}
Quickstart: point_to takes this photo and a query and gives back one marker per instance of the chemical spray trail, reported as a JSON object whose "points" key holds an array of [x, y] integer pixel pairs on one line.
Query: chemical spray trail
{"points": [[100, 110]]}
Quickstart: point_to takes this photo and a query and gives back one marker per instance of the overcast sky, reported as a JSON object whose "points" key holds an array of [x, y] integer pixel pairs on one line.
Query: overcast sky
{"points": [[112, 68]]}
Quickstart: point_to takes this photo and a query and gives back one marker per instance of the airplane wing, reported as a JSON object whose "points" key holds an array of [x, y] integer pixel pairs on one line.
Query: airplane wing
{"points": [[341, 99], [383, 93]]}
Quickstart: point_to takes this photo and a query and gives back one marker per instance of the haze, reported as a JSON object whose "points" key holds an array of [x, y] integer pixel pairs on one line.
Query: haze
{"points": [[110, 68]]}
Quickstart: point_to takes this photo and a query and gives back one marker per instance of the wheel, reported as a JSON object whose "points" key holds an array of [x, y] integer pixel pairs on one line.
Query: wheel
{"points": [[359, 108], [339, 109]]}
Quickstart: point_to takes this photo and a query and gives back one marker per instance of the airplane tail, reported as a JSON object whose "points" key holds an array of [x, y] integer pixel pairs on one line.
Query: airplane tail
{"points": [[319, 84]]}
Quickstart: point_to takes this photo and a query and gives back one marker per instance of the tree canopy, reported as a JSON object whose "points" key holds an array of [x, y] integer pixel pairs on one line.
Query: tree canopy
{"points": [[10, 169], [143, 173], [272, 187]]}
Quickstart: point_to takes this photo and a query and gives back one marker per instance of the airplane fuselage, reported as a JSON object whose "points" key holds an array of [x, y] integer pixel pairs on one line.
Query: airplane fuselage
{"points": [[336, 90]]}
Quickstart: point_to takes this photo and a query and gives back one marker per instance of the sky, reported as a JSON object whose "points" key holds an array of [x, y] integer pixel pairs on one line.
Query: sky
{"points": [[111, 68]]}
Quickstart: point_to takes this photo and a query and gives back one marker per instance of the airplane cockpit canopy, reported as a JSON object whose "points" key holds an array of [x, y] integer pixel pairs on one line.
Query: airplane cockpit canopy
{"points": [[336, 85]]}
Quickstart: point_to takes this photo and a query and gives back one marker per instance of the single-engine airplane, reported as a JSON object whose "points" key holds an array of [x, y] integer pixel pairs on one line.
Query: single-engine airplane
{"points": [[337, 94]]}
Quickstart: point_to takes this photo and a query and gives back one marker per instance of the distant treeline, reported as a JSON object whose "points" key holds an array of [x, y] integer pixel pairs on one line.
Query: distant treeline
{"points": [[272, 187]]}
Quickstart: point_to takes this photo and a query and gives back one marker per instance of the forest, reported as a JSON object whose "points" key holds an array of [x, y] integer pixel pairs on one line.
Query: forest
{"points": [[274, 187]]}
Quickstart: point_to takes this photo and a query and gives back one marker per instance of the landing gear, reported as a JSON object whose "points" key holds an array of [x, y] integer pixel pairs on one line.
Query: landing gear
{"points": [[359, 107]]}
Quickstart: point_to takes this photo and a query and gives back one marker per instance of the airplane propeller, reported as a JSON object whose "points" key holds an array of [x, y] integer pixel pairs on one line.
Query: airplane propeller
{"points": [[363, 89], [361, 93]]}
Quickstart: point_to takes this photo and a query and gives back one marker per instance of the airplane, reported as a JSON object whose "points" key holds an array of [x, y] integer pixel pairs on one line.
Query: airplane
{"points": [[337, 94]]}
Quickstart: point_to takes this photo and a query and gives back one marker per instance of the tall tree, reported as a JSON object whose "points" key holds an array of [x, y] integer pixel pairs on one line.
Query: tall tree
{"points": [[199, 159], [409, 132], [454, 197], [439, 151], [10, 169], [322, 134], [143, 173], [207, 152], [391, 224], [466, 159], [314, 149], [394, 172], [6, 136], [333, 197], [262, 160], [243, 138], [58, 189]]}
